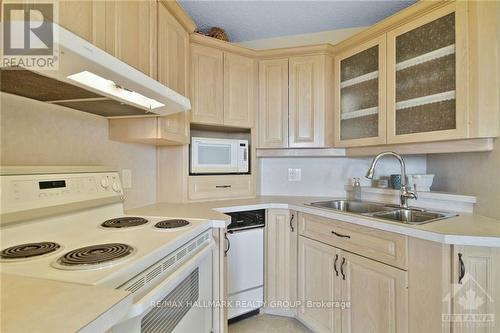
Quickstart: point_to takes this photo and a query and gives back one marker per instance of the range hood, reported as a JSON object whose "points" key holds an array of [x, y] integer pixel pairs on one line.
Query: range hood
{"points": [[91, 80]]}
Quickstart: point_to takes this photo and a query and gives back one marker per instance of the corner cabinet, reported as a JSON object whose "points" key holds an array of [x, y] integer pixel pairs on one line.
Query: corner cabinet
{"points": [[296, 103], [207, 79], [240, 97], [360, 112], [223, 87]]}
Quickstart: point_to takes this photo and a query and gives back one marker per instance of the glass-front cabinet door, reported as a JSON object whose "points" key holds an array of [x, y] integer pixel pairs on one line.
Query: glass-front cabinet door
{"points": [[360, 118], [426, 77]]}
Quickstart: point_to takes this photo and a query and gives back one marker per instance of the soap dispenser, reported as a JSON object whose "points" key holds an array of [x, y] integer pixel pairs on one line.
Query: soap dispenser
{"points": [[356, 190]]}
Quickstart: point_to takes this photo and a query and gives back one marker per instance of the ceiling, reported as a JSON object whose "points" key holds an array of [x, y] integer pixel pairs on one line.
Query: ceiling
{"points": [[250, 20]]}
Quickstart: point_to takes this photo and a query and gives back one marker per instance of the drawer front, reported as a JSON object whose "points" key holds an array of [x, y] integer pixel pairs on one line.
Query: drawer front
{"points": [[220, 187], [383, 246]]}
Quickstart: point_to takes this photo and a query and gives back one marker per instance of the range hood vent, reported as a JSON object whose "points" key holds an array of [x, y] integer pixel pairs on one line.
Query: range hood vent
{"points": [[89, 79]]}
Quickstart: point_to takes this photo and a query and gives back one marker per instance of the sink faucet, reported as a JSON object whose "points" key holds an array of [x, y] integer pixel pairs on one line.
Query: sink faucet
{"points": [[404, 193]]}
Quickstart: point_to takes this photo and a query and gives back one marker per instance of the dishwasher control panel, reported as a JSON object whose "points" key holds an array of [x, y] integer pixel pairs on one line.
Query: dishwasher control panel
{"points": [[247, 219]]}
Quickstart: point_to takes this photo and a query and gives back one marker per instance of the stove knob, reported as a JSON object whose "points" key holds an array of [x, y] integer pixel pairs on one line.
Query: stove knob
{"points": [[105, 182], [116, 187]]}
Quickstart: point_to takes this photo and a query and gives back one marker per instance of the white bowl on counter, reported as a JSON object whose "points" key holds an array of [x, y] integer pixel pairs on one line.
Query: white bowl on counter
{"points": [[421, 182]]}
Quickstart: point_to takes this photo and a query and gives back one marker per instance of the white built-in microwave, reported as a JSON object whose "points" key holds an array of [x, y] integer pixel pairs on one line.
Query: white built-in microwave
{"points": [[216, 156]]}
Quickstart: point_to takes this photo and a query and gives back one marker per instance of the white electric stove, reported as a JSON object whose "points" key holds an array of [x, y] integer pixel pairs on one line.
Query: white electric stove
{"points": [[71, 227]]}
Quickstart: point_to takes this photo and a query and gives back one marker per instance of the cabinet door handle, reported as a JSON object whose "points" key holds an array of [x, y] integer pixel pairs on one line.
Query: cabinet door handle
{"points": [[461, 274], [342, 268], [340, 235], [222, 186], [335, 265], [291, 220], [228, 245]]}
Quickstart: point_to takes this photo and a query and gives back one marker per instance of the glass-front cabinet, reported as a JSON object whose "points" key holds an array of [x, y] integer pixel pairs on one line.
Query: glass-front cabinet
{"points": [[360, 115], [426, 78]]}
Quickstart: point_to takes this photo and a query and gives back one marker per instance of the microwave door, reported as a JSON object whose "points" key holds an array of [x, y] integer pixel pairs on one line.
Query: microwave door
{"points": [[218, 157]]}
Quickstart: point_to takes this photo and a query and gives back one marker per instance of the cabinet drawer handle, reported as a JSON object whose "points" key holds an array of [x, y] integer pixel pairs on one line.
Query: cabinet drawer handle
{"points": [[342, 268], [340, 235], [222, 186], [461, 274], [291, 220], [335, 265]]}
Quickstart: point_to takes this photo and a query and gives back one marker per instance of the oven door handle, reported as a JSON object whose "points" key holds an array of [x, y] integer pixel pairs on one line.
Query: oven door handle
{"points": [[143, 305]]}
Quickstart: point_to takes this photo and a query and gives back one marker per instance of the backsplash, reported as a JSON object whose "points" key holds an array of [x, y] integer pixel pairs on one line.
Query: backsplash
{"points": [[37, 133], [326, 176]]}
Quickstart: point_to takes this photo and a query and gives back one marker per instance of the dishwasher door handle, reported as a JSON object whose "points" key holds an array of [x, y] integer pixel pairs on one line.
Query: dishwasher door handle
{"points": [[228, 245]]}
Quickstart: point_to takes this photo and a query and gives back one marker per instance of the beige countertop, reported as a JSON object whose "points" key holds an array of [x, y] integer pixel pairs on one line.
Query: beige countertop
{"points": [[465, 229], [37, 305]]}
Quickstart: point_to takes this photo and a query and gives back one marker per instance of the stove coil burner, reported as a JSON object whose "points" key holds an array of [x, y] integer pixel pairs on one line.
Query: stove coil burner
{"points": [[124, 222], [171, 224], [29, 250], [95, 254]]}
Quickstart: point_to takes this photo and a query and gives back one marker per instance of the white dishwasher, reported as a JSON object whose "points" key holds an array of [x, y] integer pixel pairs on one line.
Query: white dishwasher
{"points": [[245, 263]]}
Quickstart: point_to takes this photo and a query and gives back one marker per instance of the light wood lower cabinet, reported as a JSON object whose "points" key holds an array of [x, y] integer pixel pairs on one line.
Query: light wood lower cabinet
{"points": [[281, 261], [387, 247], [476, 289], [375, 295], [318, 283]]}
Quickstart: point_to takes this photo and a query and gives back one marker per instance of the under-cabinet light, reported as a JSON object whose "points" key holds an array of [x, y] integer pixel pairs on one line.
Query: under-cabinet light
{"points": [[109, 87]]}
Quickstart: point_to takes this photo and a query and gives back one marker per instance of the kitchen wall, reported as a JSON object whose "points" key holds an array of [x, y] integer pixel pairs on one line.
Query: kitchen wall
{"points": [[475, 174], [326, 176], [331, 36], [472, 173], [36, 133]]}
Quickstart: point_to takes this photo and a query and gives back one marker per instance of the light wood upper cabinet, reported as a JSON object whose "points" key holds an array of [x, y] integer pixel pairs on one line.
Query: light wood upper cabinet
{"points": [[173, 71], [273, 103], [475, 292], [240, 79], [131, 33], [318, 282], [281, 259], [441, 75], [378, 295], [310, 101], [207, 79], [360, 112], [86, 19]]}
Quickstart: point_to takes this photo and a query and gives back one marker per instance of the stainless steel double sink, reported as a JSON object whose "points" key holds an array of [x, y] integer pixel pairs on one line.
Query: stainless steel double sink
{"points": [[384, 211]]}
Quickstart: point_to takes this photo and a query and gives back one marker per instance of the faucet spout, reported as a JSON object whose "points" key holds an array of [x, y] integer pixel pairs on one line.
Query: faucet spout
{"points": [[405, 193]]}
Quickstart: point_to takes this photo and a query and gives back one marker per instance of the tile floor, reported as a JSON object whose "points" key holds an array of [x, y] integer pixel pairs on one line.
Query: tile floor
{"points": [[264, 323]]}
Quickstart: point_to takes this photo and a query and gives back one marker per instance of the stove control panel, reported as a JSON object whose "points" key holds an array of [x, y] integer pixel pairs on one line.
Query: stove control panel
{"points": [[28, 192]]}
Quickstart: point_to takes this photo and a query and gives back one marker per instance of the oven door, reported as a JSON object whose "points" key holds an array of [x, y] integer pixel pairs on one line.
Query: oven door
{"points": [[210, 155], [181, 303]]}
